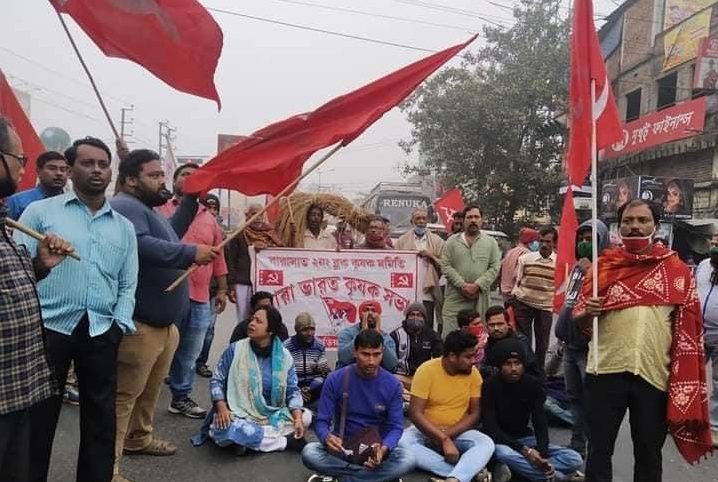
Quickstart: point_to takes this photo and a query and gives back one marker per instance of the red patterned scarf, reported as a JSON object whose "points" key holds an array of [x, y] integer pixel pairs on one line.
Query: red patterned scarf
{"points": [[627, 280]]}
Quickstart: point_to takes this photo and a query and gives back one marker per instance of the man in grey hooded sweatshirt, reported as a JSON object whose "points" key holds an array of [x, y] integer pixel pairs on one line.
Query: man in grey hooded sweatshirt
{"points": [[576, 352]]}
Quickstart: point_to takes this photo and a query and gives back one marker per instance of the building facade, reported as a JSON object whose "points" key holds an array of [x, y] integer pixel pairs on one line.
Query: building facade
{"points": [[660, 60]]}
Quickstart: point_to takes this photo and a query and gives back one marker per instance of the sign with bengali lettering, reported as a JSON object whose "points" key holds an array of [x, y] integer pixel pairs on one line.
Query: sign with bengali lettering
{"points": [[330, 285], [678, 122]]}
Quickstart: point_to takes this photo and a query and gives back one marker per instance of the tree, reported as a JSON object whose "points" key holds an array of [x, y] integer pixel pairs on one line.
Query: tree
{"points": [[488, 126]]}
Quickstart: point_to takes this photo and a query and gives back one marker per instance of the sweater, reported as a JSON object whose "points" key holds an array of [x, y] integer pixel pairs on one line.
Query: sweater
{"points": [[412, 351], [162, 259], [489, 369], [310, 360], [373, 402], [506, 409]]}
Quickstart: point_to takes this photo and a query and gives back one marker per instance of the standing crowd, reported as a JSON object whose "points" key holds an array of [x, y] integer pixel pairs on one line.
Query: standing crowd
{"points": [[458, 390]]}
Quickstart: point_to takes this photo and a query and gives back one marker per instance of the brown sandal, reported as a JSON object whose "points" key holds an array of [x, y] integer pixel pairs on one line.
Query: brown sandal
{"points": [[158, 448]]}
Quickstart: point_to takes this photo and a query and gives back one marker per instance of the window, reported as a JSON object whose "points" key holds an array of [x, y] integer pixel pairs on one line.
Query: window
{"points": [[667, 90], [633, 105]]}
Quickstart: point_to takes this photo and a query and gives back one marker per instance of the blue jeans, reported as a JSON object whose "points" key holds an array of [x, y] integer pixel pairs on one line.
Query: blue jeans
{"points": [[565, 461], [209, 336], [476, 450], [191, 330], [711, 347], [316, 457]]}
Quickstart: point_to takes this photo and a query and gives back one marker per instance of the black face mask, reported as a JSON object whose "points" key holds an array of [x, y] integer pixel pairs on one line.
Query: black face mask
{"points": [[8, 186]]}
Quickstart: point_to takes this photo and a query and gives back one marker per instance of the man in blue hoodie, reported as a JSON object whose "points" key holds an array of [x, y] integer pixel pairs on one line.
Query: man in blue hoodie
{"points": [[144, 358], [576, 352]]}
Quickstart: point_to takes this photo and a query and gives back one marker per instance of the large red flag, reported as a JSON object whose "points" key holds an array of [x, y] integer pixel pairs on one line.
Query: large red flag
{"points": [[587, 65], [447, 205], [32, 146], [566, 249], [177, 40], [271, 158]]}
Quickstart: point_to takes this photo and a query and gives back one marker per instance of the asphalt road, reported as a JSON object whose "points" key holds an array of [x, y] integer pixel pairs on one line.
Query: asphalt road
{"points": [[209, 463]]}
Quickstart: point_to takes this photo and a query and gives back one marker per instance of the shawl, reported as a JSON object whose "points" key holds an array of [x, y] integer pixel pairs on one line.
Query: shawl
{"points": [[434, 245], [628, 280], [244, 385]]}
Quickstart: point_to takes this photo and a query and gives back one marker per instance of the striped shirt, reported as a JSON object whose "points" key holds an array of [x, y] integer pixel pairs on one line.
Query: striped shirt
{"points": [[102, 284], [534, 280], [309, 361]]}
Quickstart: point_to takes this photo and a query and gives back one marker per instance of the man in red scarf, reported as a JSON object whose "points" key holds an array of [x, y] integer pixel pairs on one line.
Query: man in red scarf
{"points": [[650, 351]]}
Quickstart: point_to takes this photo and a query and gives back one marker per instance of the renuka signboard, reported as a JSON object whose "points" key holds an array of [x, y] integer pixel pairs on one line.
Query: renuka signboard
{"points": [[678, 122]]}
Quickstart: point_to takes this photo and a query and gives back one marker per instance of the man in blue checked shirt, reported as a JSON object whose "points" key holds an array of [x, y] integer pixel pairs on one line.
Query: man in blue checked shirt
{"points": [[86, 306]]}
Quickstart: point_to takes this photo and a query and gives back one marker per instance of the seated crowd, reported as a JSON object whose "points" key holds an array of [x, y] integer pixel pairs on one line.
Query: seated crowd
{"points": [[474, 400]]}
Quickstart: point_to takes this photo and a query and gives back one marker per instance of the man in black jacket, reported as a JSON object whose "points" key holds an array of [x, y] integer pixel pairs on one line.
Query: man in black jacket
{"points": [[497, 325], [510, 400]]}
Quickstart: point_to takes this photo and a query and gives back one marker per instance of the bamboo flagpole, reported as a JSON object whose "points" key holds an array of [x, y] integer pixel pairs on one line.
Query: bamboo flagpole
{"points": [[89, 75], [249, 221], [33, 234], [594, 220]]}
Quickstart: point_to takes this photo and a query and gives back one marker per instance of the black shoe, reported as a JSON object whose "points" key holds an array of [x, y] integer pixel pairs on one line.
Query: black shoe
{"points": [[295, 444], [240, 450], [204, 371]]}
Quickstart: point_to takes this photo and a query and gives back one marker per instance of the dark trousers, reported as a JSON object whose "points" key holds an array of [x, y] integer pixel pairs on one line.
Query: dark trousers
{"points": [[608, 397], [526, 316], [15, 446], [574, 369], [95, 362], [430, 306]]}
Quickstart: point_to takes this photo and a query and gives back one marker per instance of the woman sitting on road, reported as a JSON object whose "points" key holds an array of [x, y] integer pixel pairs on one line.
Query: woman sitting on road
{"points": [[257, 403]]}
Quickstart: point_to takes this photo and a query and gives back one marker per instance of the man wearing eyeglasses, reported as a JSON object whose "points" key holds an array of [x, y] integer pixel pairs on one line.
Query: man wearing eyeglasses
{"points": [[52, 171], [25, 376], [87, 307]]}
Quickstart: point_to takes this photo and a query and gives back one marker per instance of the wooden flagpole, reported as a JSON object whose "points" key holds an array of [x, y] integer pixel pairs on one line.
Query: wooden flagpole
{"points": [[594, 219], [33, 234], [249, 221], [89, 76]]}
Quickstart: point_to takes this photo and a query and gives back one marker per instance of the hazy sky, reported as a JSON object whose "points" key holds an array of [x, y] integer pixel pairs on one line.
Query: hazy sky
{"points": [[266, 72]]}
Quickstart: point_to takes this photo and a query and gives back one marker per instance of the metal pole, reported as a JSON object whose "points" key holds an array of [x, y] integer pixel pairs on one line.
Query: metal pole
{"points": [[594, 218]]}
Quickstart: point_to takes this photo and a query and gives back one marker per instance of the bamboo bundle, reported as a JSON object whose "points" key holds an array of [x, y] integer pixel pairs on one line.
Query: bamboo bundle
{"points": [[296, 206]]}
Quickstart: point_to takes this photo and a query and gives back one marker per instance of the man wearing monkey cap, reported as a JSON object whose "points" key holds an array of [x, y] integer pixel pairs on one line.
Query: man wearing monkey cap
{"points": [[369, 318]]}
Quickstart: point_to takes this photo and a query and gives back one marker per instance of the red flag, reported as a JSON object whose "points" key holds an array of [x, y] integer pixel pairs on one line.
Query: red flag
{"points": [[32, 146], [566, 251], [271, 158], [447, 205], [587, 65], [177, 40]]}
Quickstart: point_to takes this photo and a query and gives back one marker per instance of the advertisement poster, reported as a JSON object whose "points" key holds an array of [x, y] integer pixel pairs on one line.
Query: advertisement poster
{"points": [[330, 285], [617, 192], [682, 42], [706, 73], [680, 10], [678, 122], [674, 195]]}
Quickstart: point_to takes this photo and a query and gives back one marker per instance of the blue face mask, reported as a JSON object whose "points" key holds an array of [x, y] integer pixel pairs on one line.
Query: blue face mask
{"points": [[534, 246], [420, 230]]}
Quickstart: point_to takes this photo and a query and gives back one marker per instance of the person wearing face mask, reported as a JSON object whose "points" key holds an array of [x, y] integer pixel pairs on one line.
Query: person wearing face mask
{"points": [[648, 357], [576, 342], [144, 358], [528, 242], [429, 246], [707, 281], [310, 358], [416, 342], [534, 292], [376, 235]]}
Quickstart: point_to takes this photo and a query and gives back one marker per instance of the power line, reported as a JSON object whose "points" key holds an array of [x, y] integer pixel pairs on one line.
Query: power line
{"points": [[319, 30], [458, 11], [377, 15]]}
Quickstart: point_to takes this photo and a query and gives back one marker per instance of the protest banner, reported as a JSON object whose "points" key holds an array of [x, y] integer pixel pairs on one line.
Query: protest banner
{"points": [[330, 285]]}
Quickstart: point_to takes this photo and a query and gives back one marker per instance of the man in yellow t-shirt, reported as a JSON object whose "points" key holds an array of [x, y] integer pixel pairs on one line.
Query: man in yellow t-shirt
{"points": [[444, 408]]}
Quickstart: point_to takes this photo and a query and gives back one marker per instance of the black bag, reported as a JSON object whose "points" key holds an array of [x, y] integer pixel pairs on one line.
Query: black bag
{"points": [[361, 446]]}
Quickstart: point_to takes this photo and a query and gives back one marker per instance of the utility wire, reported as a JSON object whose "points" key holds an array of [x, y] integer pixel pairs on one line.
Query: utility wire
{"points": [[319, 30]]}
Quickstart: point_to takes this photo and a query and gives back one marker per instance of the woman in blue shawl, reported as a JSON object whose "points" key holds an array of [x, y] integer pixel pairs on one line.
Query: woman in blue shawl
{"points": [[257, 404]]}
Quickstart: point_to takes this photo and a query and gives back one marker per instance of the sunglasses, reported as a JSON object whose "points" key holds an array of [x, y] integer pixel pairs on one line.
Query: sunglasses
{"points": [[22, 159]]}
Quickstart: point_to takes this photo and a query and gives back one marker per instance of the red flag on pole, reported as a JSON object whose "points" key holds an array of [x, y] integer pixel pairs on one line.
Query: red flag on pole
{"points": [[566, 250], [271, 158], [178, 41], [447, 205], [11, 109], [587, 65]]}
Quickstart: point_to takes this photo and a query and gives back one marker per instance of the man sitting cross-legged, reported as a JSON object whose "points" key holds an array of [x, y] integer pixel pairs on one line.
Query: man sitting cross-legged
{"points": [[445, 406]]}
